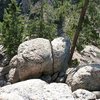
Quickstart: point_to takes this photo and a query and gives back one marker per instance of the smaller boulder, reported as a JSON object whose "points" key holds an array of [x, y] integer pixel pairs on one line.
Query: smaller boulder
{"points": [[89, 55], [46, 78], [85, 77], [82, 94]]}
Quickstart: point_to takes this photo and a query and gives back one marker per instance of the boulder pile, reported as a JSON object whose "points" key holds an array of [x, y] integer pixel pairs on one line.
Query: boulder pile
{"points": [[40, 71]]}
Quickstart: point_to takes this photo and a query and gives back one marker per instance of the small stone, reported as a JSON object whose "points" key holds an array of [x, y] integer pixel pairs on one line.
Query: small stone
{"points": [[2, 83], [5, 62], [46, 78], [8, 83], [54, 77], [61, 79]]}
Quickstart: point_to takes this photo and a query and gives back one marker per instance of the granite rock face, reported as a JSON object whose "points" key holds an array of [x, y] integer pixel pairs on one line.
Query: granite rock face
{"points": [[97, 93], [36, 89], [89, 55], [61, 49]]}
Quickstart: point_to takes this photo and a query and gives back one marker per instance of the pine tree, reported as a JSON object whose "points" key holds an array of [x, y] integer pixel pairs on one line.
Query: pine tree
{"points": [[41, 26], [90, 28], [12, 28], [61, 10]]}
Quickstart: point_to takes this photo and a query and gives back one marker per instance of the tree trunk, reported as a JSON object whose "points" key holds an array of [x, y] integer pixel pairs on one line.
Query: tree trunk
{"points": [[60, 31], [79, 28]]}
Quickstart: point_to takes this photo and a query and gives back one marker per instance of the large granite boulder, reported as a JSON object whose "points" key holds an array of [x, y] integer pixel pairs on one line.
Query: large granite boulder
{"points": [[38, 57], [85, 77], [34, 58], [36, 89]]}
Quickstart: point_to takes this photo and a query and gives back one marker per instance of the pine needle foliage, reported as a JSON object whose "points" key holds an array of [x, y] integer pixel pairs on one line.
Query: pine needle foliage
{"points": [[41, 25], [12, 28]]}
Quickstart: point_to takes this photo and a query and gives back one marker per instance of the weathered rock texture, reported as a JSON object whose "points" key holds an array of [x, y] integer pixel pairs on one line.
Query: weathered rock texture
{"points": [[97, 93], [36, 90], [82, 94], [89, 55], [37, 57], [86, 77], [61, 49]]}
